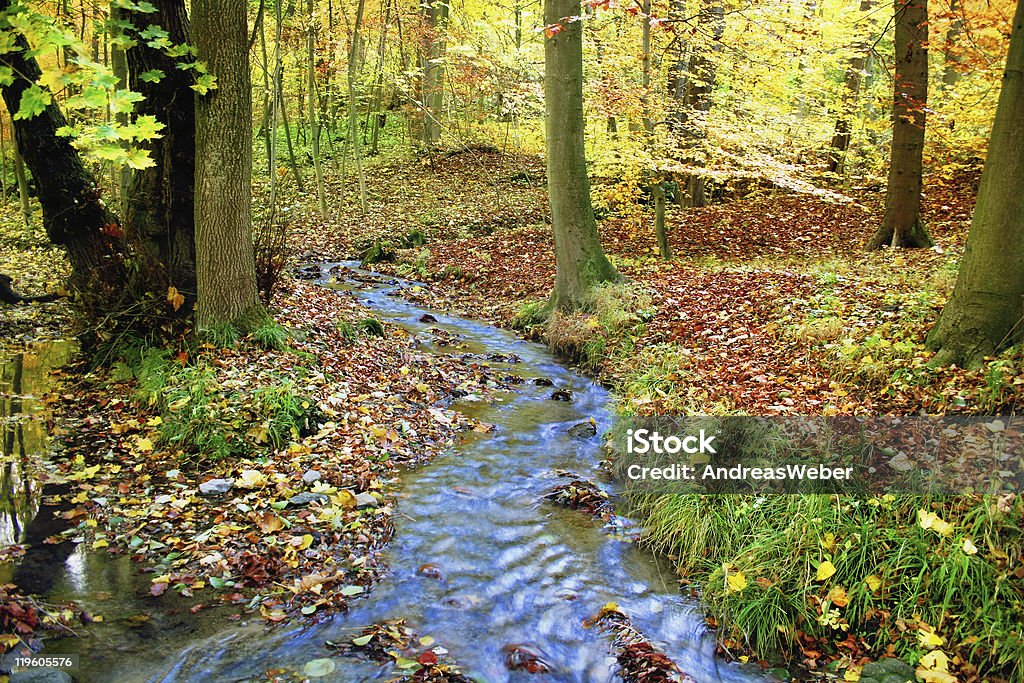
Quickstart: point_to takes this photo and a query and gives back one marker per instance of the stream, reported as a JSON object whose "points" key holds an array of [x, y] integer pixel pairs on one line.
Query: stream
{"points": [[514, 569]]}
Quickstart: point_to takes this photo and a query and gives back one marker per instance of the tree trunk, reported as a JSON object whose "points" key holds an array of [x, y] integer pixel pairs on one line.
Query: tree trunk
{"points": [[74, 214], [435, 13], [225, 267], [314, 123], [659, 221], [854, 70], [160, 207], [902, 226], [23, 193], [697, 99], [985, 312], [581, 262], [951, 58]]}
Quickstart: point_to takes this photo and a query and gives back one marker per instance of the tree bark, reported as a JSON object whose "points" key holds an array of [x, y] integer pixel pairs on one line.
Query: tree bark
{"points": [[951, 58], [698, 86], [581, 262], [160, 207], [985, 312], [435, 15], [902, 226], [225, 265], [314, 123]]}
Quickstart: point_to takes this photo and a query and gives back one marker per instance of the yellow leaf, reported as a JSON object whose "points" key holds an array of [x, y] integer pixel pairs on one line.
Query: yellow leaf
{"points": [[825, 570], [99, 543], [969, 547], [934, 668], [344, 499], [9, 640], [873, 581], [144, 445], [174, 298], [930, 520], [829, 542], [307, 540], [838, 596], [253, 478], [736, 582], [930, 639], [164, 578], [852, 674], [155, 421]]}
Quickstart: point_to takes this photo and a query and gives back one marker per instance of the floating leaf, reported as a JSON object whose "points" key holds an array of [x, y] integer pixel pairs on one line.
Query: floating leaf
{"points": [[318, 668]]}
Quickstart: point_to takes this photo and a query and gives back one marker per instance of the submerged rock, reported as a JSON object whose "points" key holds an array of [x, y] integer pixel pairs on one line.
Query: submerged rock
{"points": [[583, 430], [519, 657], [561, 395]]}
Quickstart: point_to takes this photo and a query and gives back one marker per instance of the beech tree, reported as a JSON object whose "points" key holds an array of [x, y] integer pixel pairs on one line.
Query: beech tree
{"points": [[225, 264], [902, 226], [986, 311], [580, 259]]}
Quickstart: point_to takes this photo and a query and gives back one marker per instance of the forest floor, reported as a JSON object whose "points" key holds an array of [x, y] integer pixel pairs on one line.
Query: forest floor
{"points": [[770, 306]]}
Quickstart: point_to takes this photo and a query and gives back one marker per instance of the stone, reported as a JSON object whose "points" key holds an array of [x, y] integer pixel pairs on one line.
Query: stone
{"points": [[427, 318], [306, 498], [888, 670], [366, 500], [216, 487], [311, 475], [583, 430], [561, 395]]}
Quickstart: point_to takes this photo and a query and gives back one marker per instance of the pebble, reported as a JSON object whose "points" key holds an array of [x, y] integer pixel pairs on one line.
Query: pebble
{"points": [[216, 487]]}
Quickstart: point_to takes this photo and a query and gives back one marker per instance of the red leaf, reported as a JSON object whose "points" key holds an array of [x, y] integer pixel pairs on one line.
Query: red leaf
{"points": [[427, 658]]}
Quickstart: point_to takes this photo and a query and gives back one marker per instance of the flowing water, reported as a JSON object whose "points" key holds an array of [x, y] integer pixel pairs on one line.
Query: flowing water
{"points": [[514, 570]]}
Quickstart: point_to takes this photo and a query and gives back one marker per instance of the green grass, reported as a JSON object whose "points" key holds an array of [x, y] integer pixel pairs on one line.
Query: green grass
{"points": [[891, 575], [606, 327]]}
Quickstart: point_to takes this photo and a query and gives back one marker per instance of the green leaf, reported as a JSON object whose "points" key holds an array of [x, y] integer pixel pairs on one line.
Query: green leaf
{"points": [[34, 101], [205, 84], [6, 75], [139, 159], [154, 31], [146, 127], [349, 591], [152, 76], [362, 640]]}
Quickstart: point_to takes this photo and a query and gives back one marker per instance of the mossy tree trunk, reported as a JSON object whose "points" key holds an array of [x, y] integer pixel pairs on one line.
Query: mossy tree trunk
{"points": [[581, 262], [902, 226], [986, 311], [225, 264], [160, 205]]}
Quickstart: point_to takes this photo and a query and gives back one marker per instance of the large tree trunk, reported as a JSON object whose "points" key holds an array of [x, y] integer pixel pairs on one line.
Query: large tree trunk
{"points": [[74, 214], [698, 87], [225, 265], [902, 225], [854, 70], [435, 15], [160, 207], [581, 262], [951, 57], [986, 312]]}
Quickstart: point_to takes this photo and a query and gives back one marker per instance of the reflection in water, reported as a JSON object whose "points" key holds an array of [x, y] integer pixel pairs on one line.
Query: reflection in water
{"points": [[24, 378]]}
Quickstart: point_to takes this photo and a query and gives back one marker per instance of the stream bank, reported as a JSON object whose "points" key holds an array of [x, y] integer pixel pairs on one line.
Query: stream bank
{"points": [[476, 550]]}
